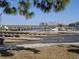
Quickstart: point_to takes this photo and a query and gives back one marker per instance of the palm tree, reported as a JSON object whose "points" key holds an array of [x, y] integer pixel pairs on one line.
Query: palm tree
{"points": [[22, 7]]}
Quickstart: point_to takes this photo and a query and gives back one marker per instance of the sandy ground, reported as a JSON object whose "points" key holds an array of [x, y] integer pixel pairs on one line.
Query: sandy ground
{"points": [[43, 45]]}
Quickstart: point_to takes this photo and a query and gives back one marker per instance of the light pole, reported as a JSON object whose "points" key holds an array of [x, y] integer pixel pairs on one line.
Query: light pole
{"points": [[0, 19], [1, 38]]}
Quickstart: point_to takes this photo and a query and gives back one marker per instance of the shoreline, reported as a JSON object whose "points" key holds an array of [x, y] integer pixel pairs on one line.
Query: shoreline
{"points": [[44, 44]]}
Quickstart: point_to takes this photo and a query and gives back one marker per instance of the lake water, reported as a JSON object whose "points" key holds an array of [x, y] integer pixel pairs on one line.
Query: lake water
{"points": [[54, 39]]}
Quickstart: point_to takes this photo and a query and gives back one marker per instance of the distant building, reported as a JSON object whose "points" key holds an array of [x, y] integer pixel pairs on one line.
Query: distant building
{"points": [[77, 26]]}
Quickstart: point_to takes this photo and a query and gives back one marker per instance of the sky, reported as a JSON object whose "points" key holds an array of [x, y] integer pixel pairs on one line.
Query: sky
{"points": [[69, 15]]}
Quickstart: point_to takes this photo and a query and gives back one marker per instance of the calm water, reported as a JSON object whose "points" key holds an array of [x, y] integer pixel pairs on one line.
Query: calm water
{"points": [[54, 39]]}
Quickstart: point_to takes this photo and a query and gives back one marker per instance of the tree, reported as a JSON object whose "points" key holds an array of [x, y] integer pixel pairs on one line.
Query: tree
{"points": [[71, 25], [43, 24], [60, 25], [23, 6], [77, 23]]}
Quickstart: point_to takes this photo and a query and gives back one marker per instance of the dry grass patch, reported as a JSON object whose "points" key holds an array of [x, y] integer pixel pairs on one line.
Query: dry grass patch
{"points": [[51, 52]]}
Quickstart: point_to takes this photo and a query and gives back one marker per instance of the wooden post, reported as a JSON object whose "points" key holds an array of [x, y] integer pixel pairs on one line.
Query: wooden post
{"points": [[1, 41]]}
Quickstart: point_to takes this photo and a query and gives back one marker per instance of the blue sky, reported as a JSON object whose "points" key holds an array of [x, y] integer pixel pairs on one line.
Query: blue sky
{"points": [[70, 14]]}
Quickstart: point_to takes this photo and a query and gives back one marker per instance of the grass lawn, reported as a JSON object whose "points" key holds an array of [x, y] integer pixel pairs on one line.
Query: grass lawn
{"points": [[51, 52]]}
